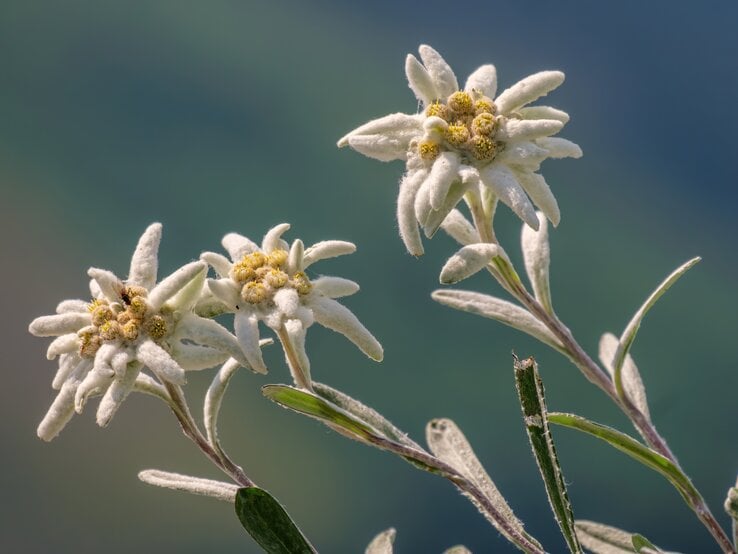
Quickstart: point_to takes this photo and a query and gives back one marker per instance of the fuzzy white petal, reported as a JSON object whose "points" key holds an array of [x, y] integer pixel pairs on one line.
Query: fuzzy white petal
{"points": [[468, 261], [537, 259], [539, 191], [59, 324], [62, 408], [459, 228], [237, 246], [186, 297], [273, 236], [527, 129], [443, 77], [145, 260], [117, 392], [70, 306], [148, 385], [62, 345], [94, 383], [484, 80], [195, 485], [400, 127], [455, 194], [327, 249], [528, 90], [334, 287], [119, 361], [160, 362], [218, 262], [214, 399], [422, 206], [505, 186], [295, 257], [226, 291], [110, 286], [68, 364], [419, 80], [495, 308], [543, 112], [207, 332], [337, 317], [442, 175], [246, 327], [379, 147], [560, 147], [170, 286], [406, 219]]}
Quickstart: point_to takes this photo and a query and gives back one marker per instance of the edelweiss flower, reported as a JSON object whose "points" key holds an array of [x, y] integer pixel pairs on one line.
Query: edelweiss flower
{"points": [[103, 345], [269, 284], [467, 139]]}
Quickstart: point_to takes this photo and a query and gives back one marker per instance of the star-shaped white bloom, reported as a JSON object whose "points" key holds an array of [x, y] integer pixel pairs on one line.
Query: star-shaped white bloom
{"points": [[467, 141], [103, 345], [269, 284]]}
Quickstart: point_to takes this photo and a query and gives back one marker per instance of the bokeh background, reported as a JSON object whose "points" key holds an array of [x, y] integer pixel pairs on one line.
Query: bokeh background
{"points": [[222, 116]]}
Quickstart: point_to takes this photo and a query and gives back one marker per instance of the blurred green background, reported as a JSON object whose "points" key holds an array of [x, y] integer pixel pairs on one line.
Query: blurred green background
{"points": [[222, 116]]}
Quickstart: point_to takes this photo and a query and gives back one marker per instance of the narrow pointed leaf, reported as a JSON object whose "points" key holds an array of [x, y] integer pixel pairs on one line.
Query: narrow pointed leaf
{"points": [[634, 449], [269, 524], [604, 539], [629, 334], [643, 546], [382, 543], [533, 402]]}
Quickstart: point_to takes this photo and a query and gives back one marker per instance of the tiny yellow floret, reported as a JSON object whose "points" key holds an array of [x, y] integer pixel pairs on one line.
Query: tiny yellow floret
{"points": [[461, 102], [483, 148], [254, 292], [484, 124], [156, 327], [457, 134], [428, 150]]}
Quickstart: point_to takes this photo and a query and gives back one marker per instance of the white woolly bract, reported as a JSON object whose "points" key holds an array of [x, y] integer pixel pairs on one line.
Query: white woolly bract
{"points": [[540, 193], [528, 90], [559, 147], [382, 543], [237, 246], [467, 261], [327, 249], [145, 259], [419, 81], [379, 147], [296, 332], [337, 317], [528, 129], [603, 539], [68, 306], [273, 238], [287, 301], [110, 286], [225, 290], [495, 308], [160, 362], [208, 332], [62, 408], [62, 345], [504, 184], [59, 324], [440, 72], [408, 224], [218, 262], [543, 112], [246, 327], [187, 483], [170, 286], [296, 256], [193, 357], [117, 392], [449, 444], [441, 176], [335, 287], [398, 127], [459, 228], [537, 258], [484, 80], [631, 377]]}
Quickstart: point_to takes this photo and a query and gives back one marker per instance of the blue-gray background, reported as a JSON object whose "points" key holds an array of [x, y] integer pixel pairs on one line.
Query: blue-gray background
{"points": [[222, 116]]}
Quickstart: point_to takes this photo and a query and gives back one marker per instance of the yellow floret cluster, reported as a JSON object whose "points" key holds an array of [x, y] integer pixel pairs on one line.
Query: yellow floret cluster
{"points": [[471, 128], [261, 275], [125, 320]]}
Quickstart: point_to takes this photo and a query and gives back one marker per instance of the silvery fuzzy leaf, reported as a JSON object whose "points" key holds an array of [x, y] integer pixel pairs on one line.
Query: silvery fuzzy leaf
{"points": [[296, 256], [500, 310], [484, 80], [469, 260], [337, 317], [559, 147], [443, 76], [335, 287], [382, 543], [238, 246], [59, 324], [69, 306], [542, 112], [117, 392], [398, 127], [419, 81], [504, 184], [605, 539], [631, 377], [380, 147], [406, 220], [145, 259], [218, 262], [459, 228], [160, 362], [214, 399], [436, 217], [195, 485], [537, 258], [175, 282], [449, 444], [540, 193], [273, 238], [528, 90], [327, 249], [246, 327], [442, 174], [108, 283], [207, 332], [527, 129]]}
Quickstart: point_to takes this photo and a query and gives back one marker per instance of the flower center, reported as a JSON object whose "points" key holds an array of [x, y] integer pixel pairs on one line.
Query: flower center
{"points": [[470, 128], [126, 321], [262, 275]]}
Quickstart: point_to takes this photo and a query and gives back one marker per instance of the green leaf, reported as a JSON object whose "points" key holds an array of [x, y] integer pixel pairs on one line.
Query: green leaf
{"points": [[629, 334], [533, 402], [643, 546], [634, 449], [269, 524], [309, 404]]}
